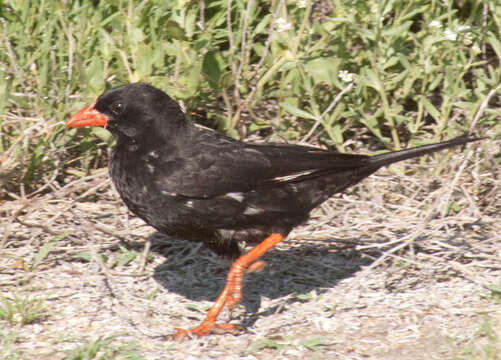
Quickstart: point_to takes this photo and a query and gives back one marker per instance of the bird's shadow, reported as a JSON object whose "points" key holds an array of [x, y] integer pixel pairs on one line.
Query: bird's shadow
{"points": [[194, 272]]}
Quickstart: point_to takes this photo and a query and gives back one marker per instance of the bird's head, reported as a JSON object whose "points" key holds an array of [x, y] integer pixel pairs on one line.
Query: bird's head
{"points": [[132, 111]]}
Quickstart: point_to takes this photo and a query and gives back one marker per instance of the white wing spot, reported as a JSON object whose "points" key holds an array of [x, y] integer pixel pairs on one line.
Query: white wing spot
{"points": [[151, 168], [203, 127], [293, 176], [238, 196], [153, 154], [251, 150], [168, 193], [189, 203], [251, 210]]}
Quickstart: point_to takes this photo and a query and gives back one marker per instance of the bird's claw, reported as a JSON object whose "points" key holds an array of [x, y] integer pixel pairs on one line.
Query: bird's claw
{"points": [[202, 330]]}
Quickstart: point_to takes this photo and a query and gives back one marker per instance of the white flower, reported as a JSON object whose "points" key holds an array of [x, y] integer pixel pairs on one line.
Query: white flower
{"points": [[475, 48], [345, 76], [283, 25], [302, 4], [435, 24], [450, 35], [460, 28]]}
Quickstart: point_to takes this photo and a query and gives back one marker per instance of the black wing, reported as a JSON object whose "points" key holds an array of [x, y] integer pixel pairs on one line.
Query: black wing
{"points": [[218, 165]]}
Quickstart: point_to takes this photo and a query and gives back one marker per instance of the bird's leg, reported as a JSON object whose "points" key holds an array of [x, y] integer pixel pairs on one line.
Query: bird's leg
{"points": [[232, 292], [247, 263]]}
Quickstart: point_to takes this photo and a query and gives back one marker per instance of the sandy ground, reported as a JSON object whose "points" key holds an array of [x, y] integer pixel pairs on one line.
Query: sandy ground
{"points": [[381, 272]]}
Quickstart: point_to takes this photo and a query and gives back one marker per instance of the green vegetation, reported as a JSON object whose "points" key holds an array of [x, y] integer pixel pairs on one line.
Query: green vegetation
{"points": [[486, 345], [420, 71], [103, 349], [310, 343], [8, 346], [22, 310]]}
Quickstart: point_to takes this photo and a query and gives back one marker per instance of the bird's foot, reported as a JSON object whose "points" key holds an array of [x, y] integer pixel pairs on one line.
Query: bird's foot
{"points": [[206, 329]]}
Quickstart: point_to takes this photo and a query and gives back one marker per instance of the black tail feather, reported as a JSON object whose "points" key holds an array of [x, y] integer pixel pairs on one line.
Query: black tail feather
{"points": [[395, 156]]}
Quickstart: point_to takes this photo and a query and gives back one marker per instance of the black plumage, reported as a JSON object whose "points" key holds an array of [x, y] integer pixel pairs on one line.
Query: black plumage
{"points": [[196, 184]]}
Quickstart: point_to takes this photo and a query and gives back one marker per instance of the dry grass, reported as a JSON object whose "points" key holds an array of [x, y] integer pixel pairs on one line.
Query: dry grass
{"points": [[379, 272]]}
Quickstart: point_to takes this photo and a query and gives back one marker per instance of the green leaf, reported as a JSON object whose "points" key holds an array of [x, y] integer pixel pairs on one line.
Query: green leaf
{"points": [[296, 111], [45, 250], [372, 79], [493, 41], [190, 22], [436, 81], [144, 61], [174, 31], [432, 110], [262, 345], [213, 67], [371, 121], [95, 73], [408, 84], [315, 341], [323, 70], [258, 125], [265, 21], [397, 30], [102, 134], [193, 79], [136, 35]]}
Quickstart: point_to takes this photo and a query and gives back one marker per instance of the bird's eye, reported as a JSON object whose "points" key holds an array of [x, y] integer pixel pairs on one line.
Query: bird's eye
{"points": [[117, 108]]}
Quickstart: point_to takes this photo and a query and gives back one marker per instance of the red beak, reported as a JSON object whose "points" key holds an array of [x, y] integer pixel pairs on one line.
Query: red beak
{"points": [[88, 116]]}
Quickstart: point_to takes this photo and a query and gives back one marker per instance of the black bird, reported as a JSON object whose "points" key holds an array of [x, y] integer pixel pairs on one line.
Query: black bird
{"points": [[196, 184]]}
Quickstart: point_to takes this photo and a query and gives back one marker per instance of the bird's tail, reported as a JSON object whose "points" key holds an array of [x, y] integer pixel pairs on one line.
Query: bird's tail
{"points": [[395, 156]]}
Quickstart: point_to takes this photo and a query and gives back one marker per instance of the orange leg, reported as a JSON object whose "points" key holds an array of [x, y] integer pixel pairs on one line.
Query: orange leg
{"points": [[232, 292]]}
